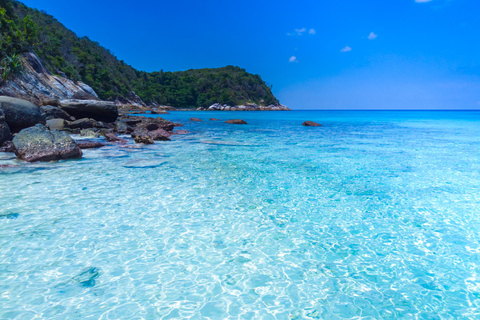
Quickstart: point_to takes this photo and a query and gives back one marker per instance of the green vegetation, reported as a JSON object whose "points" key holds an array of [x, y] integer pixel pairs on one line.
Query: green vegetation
{"points": [[81, 59]]}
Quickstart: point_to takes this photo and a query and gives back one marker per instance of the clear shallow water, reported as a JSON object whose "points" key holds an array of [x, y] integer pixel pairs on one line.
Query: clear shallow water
{"points": [[376, 215]]}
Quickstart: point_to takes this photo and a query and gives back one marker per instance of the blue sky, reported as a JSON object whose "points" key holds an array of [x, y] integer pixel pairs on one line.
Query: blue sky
{"points": [[336, 54]]}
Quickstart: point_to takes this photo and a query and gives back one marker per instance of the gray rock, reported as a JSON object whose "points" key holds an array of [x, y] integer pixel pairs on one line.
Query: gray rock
{"points": [[83, 95], [51, 112], [56, 124], [236, 121], [84, 123], [122, 127], [85, 144], [20, 114], [89, 133], [5, 134], [311, 124], [99, 110], [39, 144]]}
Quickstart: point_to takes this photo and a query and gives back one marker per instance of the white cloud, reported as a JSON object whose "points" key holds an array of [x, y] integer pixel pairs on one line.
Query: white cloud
{"points": [[300, 31], [346, 49], [372, 36], [422, 1], [312, 31], [293, 59]]}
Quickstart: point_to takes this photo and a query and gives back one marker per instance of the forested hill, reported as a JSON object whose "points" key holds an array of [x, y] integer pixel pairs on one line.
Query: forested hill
{"points": [[25, 29]]}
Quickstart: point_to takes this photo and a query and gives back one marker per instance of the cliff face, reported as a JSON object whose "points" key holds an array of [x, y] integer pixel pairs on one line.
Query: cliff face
{"points": [[36, 84]]}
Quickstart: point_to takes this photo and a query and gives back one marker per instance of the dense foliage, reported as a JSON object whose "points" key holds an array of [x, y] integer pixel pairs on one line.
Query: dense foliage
{"points": [[23, 29]]}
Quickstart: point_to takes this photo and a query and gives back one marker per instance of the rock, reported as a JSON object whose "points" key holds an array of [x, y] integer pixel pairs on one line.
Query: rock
{"points": [[176, 124], [196, 119], [20, 114], [122, 127], [236, 121], [110, 137], [39, 144], [50, 102], [56, 124], [99, 110], [51, 112], [89, 133], [84, 123], [180, 132], [311, 124], [85, 144], [214, 119], [83, 95], [145, 139], [158, 134], [7, 147], [5, 134]]}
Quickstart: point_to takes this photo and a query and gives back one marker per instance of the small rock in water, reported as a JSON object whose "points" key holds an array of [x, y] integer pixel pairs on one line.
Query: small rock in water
{"points": [[87, 277], [214, 119], [110, 137], [144, 163], [236, 121], [9, 216], [196, 119], [89, 144], [143, 139], [311, 124]]}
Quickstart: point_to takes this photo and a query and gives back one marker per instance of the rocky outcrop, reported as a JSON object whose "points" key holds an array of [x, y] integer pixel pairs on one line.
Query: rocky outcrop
{"points": [[51, 112], [36, 84], [311, 124], [20, 114], [40, 144], [99, 110], [5, 133], [236, 121], [83, 95], [247, 107]]}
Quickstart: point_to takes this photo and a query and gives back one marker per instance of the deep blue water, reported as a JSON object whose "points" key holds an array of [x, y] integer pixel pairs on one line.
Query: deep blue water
{"points": [[375, 215]]}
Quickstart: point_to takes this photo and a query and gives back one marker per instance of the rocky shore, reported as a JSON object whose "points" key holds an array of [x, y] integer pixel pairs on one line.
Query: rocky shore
{"points": [[43, 133]]}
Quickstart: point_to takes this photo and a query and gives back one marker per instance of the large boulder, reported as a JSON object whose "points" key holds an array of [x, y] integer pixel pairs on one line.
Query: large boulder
{"points": [[20, 114], [51, 112], [39, 144], [99, 110], [5, 133]]}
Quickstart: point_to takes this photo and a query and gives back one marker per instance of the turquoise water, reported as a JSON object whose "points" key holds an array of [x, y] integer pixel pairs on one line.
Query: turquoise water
{"points": [[375, 215]]}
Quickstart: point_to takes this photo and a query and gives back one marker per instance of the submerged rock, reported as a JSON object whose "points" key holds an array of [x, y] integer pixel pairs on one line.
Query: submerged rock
{"points": [[99, 110], [236, 121], [20, 114], [39, 144], [144, 163], [196, 119], [5, 134], [87, 277], [214, 119], [110, 137], [85, 144], [311, 124]]}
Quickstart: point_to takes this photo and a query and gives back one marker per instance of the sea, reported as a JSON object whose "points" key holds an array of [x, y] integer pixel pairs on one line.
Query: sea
{"points": [[374, 215]]}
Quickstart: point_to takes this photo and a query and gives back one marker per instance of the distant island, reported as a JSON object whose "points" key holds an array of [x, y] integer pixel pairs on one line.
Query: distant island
{"points": [[58, 64]]}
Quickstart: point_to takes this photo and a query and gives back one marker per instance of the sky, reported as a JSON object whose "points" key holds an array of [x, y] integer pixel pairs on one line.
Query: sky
{"points": [[321, 54]]}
